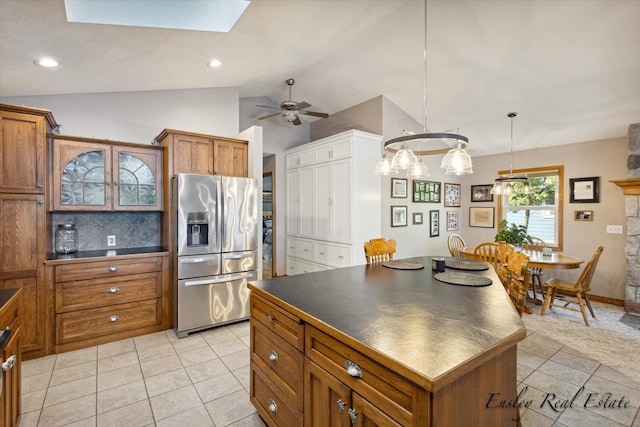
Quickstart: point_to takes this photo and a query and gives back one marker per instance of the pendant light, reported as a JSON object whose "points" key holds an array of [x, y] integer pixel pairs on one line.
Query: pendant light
{"points": [[504, 184], [406, 149]]}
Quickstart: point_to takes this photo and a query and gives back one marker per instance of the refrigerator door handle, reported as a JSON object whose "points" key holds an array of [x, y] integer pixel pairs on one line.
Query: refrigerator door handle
{"points": [[220, 279], [239, 256], [198, 260]]}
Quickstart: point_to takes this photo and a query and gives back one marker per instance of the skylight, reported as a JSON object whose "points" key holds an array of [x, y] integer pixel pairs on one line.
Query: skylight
{"points": [[197, 15]]}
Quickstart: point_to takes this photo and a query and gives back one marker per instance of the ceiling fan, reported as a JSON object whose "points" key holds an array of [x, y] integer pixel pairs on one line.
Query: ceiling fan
{"points": [[289, 110]]}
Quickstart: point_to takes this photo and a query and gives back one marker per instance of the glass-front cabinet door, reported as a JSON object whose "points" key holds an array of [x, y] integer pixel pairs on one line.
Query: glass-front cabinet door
{"points": [[97, 176], [81, 175], [137, 178]]}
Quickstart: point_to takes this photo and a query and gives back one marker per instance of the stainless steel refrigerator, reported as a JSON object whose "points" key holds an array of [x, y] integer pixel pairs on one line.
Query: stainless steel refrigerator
{"points": [[217, 242]]}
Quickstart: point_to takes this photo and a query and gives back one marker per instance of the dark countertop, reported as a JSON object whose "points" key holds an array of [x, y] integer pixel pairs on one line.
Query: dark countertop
{"points": [[106, 252], [6, 295], [428, 326]]}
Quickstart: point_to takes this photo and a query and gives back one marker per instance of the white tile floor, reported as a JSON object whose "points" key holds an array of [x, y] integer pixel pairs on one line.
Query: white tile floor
{"points": [[203, 380]]}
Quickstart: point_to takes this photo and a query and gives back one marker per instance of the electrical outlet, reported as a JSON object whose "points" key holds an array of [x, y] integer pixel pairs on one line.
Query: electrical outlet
{"points": [[111, 240], [614, 229]]}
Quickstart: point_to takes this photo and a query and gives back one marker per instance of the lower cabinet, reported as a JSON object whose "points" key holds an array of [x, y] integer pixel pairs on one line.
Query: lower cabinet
{"points": [[111, 298], [298, 377], [11, 361]]}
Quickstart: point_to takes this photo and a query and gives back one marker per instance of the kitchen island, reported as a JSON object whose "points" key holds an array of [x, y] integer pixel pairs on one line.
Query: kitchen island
{"points": [[379, 346]]}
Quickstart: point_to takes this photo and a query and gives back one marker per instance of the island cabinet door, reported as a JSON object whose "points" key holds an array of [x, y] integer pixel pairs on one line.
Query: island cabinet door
{"points": [[327, 401]]}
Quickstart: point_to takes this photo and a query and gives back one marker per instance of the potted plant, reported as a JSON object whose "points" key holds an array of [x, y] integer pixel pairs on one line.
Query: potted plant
{"points": [[512, 233]]}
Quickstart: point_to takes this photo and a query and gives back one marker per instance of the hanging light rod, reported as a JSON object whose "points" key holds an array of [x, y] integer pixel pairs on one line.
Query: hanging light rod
{"points": [[392, 145], [503, 184]]}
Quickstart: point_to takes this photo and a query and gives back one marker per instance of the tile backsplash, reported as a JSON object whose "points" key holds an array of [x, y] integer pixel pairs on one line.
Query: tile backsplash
{"points": [[132, 229]]}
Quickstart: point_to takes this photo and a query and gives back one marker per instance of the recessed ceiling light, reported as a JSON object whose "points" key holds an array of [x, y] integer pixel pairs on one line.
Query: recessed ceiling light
{"points": [[214, 63], [46, 62]]}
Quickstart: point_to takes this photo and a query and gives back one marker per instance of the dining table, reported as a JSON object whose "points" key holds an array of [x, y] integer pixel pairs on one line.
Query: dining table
{"points": [[554, 261]]}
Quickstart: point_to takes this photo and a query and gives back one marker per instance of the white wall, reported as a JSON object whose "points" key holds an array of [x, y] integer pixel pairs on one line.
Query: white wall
{"points": [[140, 116]]}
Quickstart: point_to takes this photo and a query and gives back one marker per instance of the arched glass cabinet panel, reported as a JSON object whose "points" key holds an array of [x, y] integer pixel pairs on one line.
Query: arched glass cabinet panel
{"points": [[137, 182], [83, 180]]}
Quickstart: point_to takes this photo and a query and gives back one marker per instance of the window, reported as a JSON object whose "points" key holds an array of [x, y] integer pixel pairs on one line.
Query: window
{"points": [[540, 211]]}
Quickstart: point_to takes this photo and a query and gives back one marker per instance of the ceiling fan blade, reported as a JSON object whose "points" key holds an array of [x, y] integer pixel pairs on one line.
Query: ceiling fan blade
{"points": [[302, 105], [297, 121], [267, 106], [266, 117], [314, 114]]}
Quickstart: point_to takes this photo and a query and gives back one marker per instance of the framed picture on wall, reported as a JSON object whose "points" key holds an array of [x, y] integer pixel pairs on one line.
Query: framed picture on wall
{"points": [[452, 220], [584, 190], [481, 217], [451, 195], [481, 193], [426, 191], [398, 216], [417, 217], [583, 215], [398, 188], [434, 223]]}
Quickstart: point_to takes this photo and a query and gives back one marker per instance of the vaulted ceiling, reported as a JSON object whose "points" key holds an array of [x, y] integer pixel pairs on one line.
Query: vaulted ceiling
{"points": [[570, 68]]}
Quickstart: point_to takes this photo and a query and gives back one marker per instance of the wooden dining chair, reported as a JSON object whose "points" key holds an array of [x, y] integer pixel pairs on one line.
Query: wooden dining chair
{"points": [[518, 277], [577, 290], [379, 250], [537, 244], [504, 249], [488, 252], [455, 242]]}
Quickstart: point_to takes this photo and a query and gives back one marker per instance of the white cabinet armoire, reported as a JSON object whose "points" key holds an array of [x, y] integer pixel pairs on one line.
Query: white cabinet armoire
{"points": [[333, 201]]}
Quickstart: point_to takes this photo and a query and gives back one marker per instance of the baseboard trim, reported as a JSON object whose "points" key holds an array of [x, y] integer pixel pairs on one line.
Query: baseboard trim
{"points": [[607, 300]]}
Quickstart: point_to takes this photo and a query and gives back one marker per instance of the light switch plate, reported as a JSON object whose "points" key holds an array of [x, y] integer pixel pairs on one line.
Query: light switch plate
{"points": [[614, 229], [111, 240]]}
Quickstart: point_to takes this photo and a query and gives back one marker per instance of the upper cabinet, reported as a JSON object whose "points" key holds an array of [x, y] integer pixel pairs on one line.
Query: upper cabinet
{"points": [[23, 136], [197, 153], [105, 176]]}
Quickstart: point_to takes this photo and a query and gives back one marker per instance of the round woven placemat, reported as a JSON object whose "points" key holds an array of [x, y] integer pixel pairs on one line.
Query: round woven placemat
{"points": [[403, 265], [463, 279], [467, 265]]}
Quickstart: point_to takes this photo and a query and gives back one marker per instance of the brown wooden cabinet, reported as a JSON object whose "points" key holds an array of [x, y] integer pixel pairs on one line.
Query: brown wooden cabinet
{"points": [[11, 359], [100, 175], [99, 300], [197, 153], [23, 237]]}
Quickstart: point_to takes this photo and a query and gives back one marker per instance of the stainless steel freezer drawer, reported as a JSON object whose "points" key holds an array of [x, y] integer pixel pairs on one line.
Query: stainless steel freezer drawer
{"points": [[207, 301], [234, 262], [198, 266]]}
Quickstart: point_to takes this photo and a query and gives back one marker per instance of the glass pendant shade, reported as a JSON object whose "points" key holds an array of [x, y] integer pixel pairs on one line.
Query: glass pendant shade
{"points": [[383, 167], [457, 162], [418, 171], [403, 159]]}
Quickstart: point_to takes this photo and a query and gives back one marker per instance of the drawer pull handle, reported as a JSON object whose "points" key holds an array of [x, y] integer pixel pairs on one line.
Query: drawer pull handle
{"points": [[353, 415], [112, 268], [273, 356], [113, 318], [353, 369], [9, 363], [270, 318], [113, 290], [321, 253], [341, 256], [272, 406], [341, 405]]}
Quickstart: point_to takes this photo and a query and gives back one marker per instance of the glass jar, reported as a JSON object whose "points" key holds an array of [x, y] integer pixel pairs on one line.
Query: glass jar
{"points": [[66, 238]]}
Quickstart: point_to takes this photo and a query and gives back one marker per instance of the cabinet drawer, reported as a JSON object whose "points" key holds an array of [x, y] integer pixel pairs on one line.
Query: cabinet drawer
{"points": [[300, 248], [84, 294], [84, 324], [286, 325], [333, 255], [298, 266], [109, 268], [270, 401], [282, 361], [391, 392]]}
